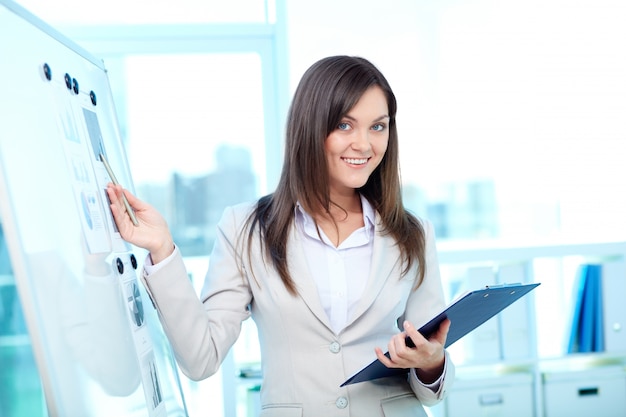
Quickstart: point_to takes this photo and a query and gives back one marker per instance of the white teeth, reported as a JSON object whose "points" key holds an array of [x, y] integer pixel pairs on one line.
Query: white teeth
{"points": [[355, 161]]}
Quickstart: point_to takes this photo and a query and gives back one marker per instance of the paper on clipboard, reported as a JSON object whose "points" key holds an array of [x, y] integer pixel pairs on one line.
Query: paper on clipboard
{"points": [[466, 313]]}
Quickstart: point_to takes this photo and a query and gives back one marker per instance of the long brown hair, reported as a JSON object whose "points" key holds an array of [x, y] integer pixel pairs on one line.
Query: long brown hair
{"points": [[327, 92]]}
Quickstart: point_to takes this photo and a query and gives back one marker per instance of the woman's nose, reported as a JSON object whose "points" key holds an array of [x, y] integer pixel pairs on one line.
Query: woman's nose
{"points": [[361, 140]]}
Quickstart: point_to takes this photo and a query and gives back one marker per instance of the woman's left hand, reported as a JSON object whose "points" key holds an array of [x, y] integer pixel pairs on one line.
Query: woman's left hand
{"points": [[427, 357]]}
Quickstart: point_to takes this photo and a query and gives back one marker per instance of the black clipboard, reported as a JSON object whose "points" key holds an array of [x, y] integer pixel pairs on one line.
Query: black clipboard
{"points": [[466, 313]]}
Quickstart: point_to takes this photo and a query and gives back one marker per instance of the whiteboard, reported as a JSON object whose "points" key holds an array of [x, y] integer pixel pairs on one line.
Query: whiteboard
{"points": [[99, 348]]}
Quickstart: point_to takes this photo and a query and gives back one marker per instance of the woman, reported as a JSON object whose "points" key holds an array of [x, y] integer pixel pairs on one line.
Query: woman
{"points": [[328, 266]]}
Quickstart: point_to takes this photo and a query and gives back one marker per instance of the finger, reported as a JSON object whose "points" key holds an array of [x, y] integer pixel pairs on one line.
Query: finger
{"points": [[417, 338], [442, 332], [118, 210], [115, 196], [395, 345], [119, 215], [386, 359], [110, 190], [401, 355], [134, 202], [383, 358]]}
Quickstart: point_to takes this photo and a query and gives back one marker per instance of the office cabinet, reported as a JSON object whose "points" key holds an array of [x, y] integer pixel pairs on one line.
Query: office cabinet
{"points": [[592, 392], [502, 395]]}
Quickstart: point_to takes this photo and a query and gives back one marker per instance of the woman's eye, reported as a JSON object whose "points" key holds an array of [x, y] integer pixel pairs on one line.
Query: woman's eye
{"points": [[379, 127], [343, 126]]}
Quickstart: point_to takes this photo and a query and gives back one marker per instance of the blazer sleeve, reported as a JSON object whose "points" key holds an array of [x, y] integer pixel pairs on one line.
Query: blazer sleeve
{"points": [[424, 303], [202, 329]]}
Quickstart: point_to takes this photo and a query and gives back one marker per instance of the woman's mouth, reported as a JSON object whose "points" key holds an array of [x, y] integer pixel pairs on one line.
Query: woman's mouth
{"points": [[355, 161]]}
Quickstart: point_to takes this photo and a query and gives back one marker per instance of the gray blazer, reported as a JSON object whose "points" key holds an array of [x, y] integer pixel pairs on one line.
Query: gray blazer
{"points": [[303, 360]]}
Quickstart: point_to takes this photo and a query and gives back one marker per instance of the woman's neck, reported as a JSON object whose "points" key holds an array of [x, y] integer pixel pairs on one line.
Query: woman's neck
{"points": [[344, 217], [343, 206]]}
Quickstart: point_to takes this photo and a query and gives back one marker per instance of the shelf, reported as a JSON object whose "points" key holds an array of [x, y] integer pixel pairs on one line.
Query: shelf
{"points": [[580, 361]]}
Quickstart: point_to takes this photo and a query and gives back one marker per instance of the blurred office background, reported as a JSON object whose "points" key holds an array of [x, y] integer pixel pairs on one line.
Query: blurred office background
{"points": [[511, 121]]}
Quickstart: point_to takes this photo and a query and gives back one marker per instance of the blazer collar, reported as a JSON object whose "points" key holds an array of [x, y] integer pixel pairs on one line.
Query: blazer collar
{"points": [[385, 258]]}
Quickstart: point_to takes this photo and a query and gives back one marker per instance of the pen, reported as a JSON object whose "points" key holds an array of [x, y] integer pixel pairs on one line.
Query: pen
{"points": [[129, 209]]}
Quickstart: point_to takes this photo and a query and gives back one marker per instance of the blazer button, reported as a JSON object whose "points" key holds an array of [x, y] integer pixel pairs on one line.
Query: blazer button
{"points": [[342, 402], [334, 347]]}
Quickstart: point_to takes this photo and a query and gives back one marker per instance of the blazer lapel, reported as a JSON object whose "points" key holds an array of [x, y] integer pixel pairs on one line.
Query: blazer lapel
{"points": [[301, 275], [385, 258]]}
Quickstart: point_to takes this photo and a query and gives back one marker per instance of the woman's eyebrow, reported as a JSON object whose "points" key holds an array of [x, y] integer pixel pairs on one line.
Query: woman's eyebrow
{"points": [[384, 116]]}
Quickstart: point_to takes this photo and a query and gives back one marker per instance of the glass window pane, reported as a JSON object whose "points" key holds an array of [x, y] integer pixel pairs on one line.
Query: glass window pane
{"points": [[195, 138], [73, 12]]}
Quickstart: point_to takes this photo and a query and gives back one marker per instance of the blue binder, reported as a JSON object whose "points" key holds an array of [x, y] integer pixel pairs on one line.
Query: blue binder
{"points": [[580, 289], [587, 331], [598, 341], [466, 313], [587, 312]]}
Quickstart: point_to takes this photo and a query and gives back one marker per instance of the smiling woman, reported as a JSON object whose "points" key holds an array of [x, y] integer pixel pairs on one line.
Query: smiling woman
{"points": [[265, 263]]}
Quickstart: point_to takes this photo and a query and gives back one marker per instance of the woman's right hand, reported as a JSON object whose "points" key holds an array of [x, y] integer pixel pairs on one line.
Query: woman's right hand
{"points": [[152, 232]]}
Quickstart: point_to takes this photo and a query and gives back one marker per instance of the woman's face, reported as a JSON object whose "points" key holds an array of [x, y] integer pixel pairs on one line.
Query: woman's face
{"points": [[358, 143]]}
